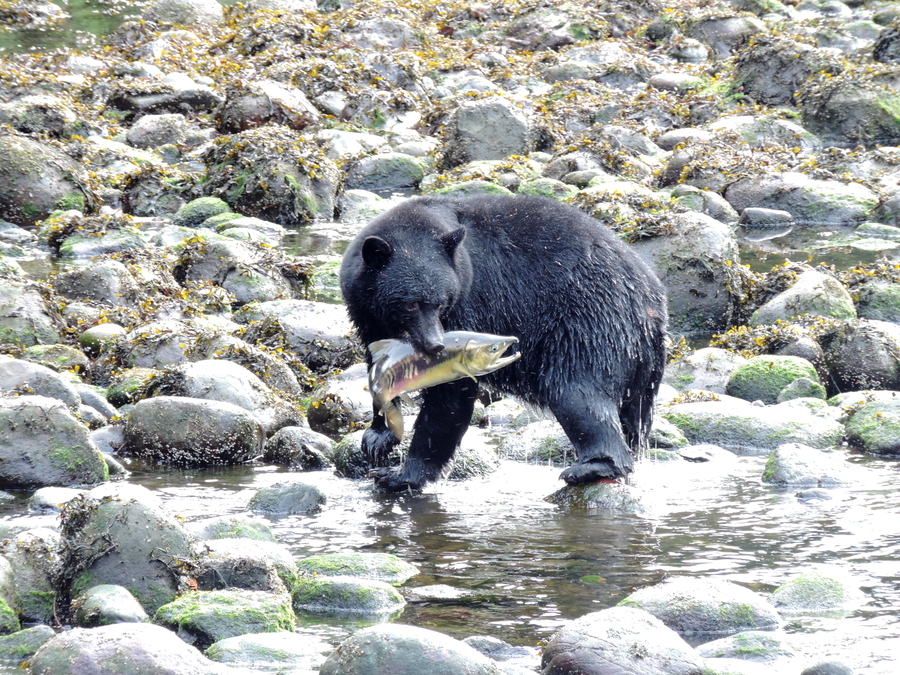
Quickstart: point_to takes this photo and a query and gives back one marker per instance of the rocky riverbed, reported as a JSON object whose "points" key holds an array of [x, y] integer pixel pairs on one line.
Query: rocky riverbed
{"points": [[173, 204]]}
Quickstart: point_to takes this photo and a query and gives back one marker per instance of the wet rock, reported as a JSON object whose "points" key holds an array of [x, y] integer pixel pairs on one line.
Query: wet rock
{"points": [[232, 527], [184, 12], [762, 378], [342, 144], [152, 131], [32, 555], [665, 435], [59, 358], [299, 448], [25, 319], [610, 63], [795, 464], [471, 461], [191, 432], [42, 444], [119, 534], [274, 174], [342, 405], [703, 607], [123, 648], [402, 650], [385, 171], [864, 354], [197, 211], [724, 35], [376, 566], [348, 457], [875, 427], [228, 382], [126, 385], [752, 645], [22, 645], [813, 293], [486, 129], [619, 640], [879, 300], [245, 563], [706, 369], [615, 496], [253, 229], [802, 387], [274, 651], [346, 596], [694, 266], [828, 667], [750, 429], [808, 200], [703, 453], [52, 499], [384, 33], [39, 114], [37, 179], [767, 132], [107, 282], [23, 377], [266, 102], [107, 604], [706, 202], [283, 499], [817, 591]]}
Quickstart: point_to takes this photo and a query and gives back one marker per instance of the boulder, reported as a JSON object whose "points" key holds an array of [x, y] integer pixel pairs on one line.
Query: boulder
{"points": [[863, 354], [402, 650], [198, 211], [25, 318], [17, 376], [813, 293], [192, 432], [232, 527], [287, 498], [385, 171], [619, 640], [42, 114], [120, 648], [706, 369], [347, 596], [299, 448], [490, 128], [704, 606], [22, 645], [250, 564], [106, 604], [817, 591], [282, 650], [378, 566], [42, 445], [153, 131], [751, 645], [107, 282], [615, 496], [762, 378], [266, 102], [875, 427], [119, 534], [342, 405], [797, 465]]}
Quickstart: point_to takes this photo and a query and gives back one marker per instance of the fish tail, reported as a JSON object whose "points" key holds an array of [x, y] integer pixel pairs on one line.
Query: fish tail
{"points": [[394, 418]]}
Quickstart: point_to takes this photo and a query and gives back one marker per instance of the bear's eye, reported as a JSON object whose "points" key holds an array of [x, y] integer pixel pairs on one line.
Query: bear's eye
{"points": [[411, 306]]}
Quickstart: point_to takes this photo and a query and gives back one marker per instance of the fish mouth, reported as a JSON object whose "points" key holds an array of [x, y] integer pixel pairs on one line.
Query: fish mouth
{"points": [[510, 352]]}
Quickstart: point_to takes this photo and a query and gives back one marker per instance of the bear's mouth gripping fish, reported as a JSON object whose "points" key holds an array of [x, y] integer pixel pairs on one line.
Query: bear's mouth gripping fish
{"points": [[397, 368]]}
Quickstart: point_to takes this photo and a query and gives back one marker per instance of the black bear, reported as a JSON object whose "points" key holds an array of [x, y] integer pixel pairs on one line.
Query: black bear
{"points": [[589, 314]]}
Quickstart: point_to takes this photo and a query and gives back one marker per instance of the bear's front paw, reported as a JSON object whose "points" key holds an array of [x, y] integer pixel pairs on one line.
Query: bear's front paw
{"points": [[394, 480], [377, 445], [591, 471]]}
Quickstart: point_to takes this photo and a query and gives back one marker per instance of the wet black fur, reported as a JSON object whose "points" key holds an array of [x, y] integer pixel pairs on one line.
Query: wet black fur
{"points": [[589, 314]]}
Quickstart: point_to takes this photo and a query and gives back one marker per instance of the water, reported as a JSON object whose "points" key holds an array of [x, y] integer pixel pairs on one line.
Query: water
{"points": [[530, 566]]}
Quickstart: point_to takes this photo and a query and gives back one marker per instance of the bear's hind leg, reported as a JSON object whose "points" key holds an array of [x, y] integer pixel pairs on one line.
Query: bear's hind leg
{"points": [[442, 422], [591, 421]]}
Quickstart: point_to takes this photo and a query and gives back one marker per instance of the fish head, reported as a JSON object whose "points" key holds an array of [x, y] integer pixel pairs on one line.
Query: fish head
{"points": [[486, 353]]}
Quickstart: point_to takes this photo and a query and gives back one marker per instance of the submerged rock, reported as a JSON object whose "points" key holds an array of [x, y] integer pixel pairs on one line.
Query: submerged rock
{"points": [[615, 496], [378, 566], [817, 591], [275, 651], [797, 465], [752, 645], [346, 596], [287, 498]]}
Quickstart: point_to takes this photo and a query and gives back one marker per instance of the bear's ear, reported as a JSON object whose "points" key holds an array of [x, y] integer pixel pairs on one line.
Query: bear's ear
{"points": [[376, 252], [452, 240]]}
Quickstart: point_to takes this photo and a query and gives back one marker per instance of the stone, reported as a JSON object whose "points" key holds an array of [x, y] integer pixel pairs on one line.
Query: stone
{"points": [[346, 596], [153, 131], [25, 319], [197, 211], [32, 555], [875, 427], [299, 448], [250, 564], [704, 606], [802, 387], [615, 496], [232, 527], [189, 432], [385, 172], [752, 645], [184, 12], [863, 354], [490, 128], [276, 651], [763, 378], [817, 591], [18, 376], [813, 293], [706, 369], [106, 604], [22, 645], [378, 566], [287, 498], [107, 282]]}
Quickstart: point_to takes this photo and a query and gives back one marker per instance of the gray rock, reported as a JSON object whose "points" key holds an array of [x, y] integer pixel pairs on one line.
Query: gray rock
{"points": [[490, 128], [875, 427], [278, 651], [817, 591], [615, 496], [22, 645], [121, 648], [37, 179], [257, 229], [183, 12], [694, 264], [797, 465], [342, 405], [879, 300], [52, 499], [24, 318], [24, 377], [802, 387], [39, 114], [384, 33], [197, 211], [191, 432], [402, 650], [107, 604], [107, 282], [706, 369], [94, 338], [864, 354], [752, 645], [32, 555], [349, 459], [619, 640], [705, 201], [385, 171], [299, 448], [109, 439], [287, 498], [320, 334], [347, 596], [681, 136], [828, 667], [771, 71], [704, 606], [250, 564], [754, 217], [152, 131], [539, 442], [810, 201], [119, 534], [768, 132], [376, 566], [724, 35], [42, 444], [813, 293], [701, 454], [763, 378], [747, 429], [91, 397], [232, 527], [266, 102]]}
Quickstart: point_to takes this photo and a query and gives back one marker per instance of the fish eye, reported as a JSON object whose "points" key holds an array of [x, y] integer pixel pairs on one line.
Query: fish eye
{"points": [[494, 348]]}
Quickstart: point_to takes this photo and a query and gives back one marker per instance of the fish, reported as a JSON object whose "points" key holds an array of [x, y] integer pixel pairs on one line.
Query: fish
{"points": [[398, 368]]}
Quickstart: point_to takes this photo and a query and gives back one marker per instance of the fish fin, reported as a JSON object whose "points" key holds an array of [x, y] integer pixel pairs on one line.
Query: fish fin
{"points": [[394, 418], [406, 398], [379, 346]]}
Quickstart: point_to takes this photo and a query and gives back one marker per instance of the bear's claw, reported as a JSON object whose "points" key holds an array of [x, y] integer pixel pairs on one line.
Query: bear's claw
{"points": [[590, 471], [392, 480]]}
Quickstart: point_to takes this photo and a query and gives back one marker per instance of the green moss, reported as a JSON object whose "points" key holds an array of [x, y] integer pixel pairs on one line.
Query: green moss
{"points": [[73, 200], [9, 622]]}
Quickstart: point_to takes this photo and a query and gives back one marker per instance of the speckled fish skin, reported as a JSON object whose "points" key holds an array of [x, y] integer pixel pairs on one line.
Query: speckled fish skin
{"points": [[397, 368]]}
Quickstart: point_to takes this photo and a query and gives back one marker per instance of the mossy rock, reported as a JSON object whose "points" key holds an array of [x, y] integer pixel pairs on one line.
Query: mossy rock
{"points": [[128, 384], [547, 187], [616, 496], [233, 527], [22, 645], [816, 592], [346, 596], [195, 212], [9, 622], [875, 428], [802, 387], [209, 616], [764, 377], [378, 566], [472, 187]]}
